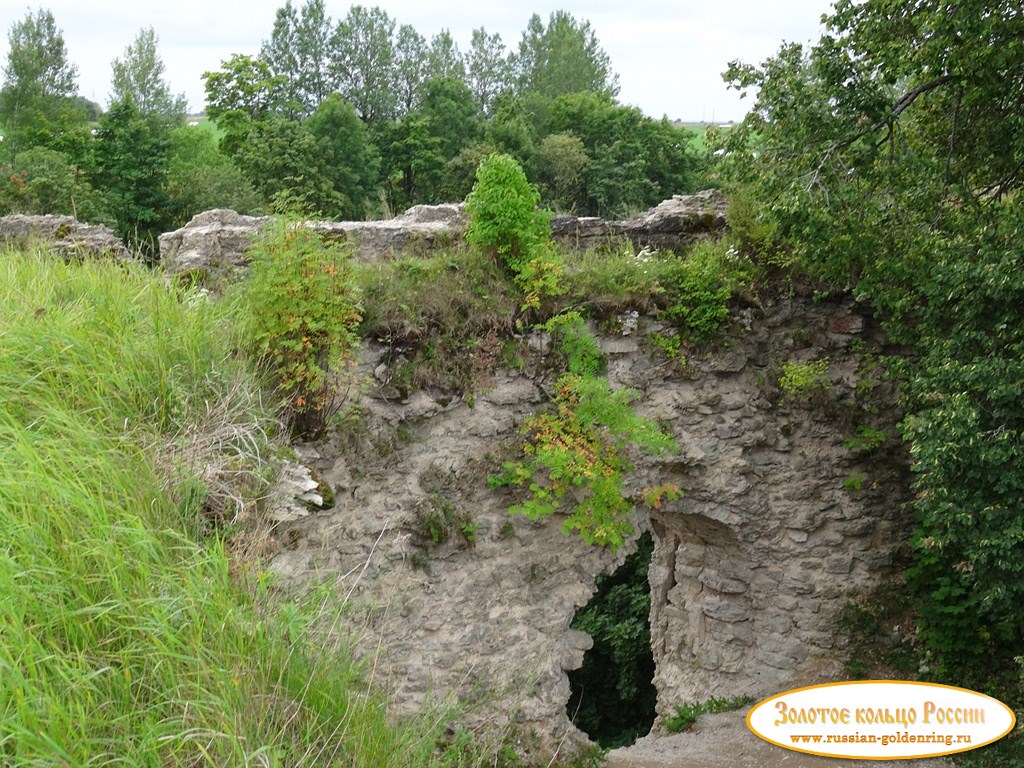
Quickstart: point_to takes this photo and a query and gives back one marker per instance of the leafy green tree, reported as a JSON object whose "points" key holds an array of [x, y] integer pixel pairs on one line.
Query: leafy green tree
{"points": [[200, 178], [285, 163], [410, 67], [130, 165], [37, 99], [299, 51], [634, 162], [412, 163], [504, 213], [242, 93], [460, 171], [281, 54], [363, 60], [348, 159], [563, 57], [451, 113], [562, 163], [139, 76], [887, 158], [489, 68], [46, 181], [444, 59]]}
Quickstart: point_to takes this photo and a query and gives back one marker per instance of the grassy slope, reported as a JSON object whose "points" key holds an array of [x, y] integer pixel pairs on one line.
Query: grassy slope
{"points": [[124, 639]]}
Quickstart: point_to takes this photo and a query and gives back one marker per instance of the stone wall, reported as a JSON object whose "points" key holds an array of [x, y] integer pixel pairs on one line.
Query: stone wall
{"points": [[65, 235], [213, 245], [751, 568]]}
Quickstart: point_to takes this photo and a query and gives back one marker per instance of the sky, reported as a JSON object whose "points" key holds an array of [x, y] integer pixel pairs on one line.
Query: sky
{"points": [[668, 54]]}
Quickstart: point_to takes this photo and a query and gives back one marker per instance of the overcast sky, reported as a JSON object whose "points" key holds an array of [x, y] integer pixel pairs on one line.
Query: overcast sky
{"points": [[669, 54]]}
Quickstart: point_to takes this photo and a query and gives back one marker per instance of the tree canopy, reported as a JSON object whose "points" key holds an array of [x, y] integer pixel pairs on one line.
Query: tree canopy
{"points": [[36, 100], [139, 76], [888, 158]]}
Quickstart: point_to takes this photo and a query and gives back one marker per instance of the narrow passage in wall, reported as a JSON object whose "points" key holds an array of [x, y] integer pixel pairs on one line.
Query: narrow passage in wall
{"points": [[613, 696]]}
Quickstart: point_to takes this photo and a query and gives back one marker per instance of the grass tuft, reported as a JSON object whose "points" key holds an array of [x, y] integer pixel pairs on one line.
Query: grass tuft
{"points": [[125, 411]]}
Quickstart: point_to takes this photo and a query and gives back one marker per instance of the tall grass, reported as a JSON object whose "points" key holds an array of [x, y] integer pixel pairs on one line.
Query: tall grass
{"points": [[124, 408]]}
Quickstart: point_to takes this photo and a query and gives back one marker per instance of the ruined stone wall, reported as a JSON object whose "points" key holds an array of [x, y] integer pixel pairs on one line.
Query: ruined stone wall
{"points": [[751, 568]]}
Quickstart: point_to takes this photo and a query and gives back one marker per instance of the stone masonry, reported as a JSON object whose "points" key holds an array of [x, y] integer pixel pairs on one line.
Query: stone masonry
{"points": [[779, 524]]}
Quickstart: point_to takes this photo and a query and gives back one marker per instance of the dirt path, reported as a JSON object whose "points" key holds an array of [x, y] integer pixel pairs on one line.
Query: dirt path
{"points": [[724, 741]]}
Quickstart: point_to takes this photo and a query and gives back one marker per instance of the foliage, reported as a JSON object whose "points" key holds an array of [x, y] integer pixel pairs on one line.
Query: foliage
{"points": [[563, 56], [489, 68], [36, 101], [447, 314], [284, 162], [46, 181], [575, 344], [578, 451], [243, 93], [633, 162], [347, 158], [800, 379], [300, 313], [503, 212], [130, 165], [362, 62], [127, 415], [866, 440], [444, 61], [888, 161], [504, 217], [139, 76], [299, 51], [200, 178], [880, 629], [613, 696], [686, 714], [696, 289], [562, 163]]}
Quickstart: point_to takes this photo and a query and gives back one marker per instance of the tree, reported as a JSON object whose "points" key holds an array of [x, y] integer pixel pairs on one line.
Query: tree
{"points": [[36, 101], [349, 160], [200, 177], [562, 161], [634, 161], [299, 50], [451, 114], [139, 76], [563, 57], [131, 166], [46, 181], [363, 62], [284, 161], [488, 68], [410, 67], [444, 59], [243, 92], [887, 159], [281, 54]]}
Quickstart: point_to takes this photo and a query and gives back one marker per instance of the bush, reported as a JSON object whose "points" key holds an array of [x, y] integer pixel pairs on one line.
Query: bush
{"points": [[300, 312], [504, 218], [697, 289]]}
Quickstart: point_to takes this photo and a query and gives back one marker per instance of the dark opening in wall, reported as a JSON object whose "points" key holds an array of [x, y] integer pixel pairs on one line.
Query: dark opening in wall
{"points": [[613, 696]]}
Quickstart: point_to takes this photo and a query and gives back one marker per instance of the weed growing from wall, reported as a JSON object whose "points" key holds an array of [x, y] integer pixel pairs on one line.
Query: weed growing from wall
{"points": [[505, 218], [299, 311], [576, 455]]}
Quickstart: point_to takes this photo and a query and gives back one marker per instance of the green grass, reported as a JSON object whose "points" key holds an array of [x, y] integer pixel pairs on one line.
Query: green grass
{"points": [[207, 124], [132, 432], [686, 715]]}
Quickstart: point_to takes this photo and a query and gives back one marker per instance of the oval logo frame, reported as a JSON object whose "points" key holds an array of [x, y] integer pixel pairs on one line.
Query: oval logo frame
{"points": [[881, 720]]}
